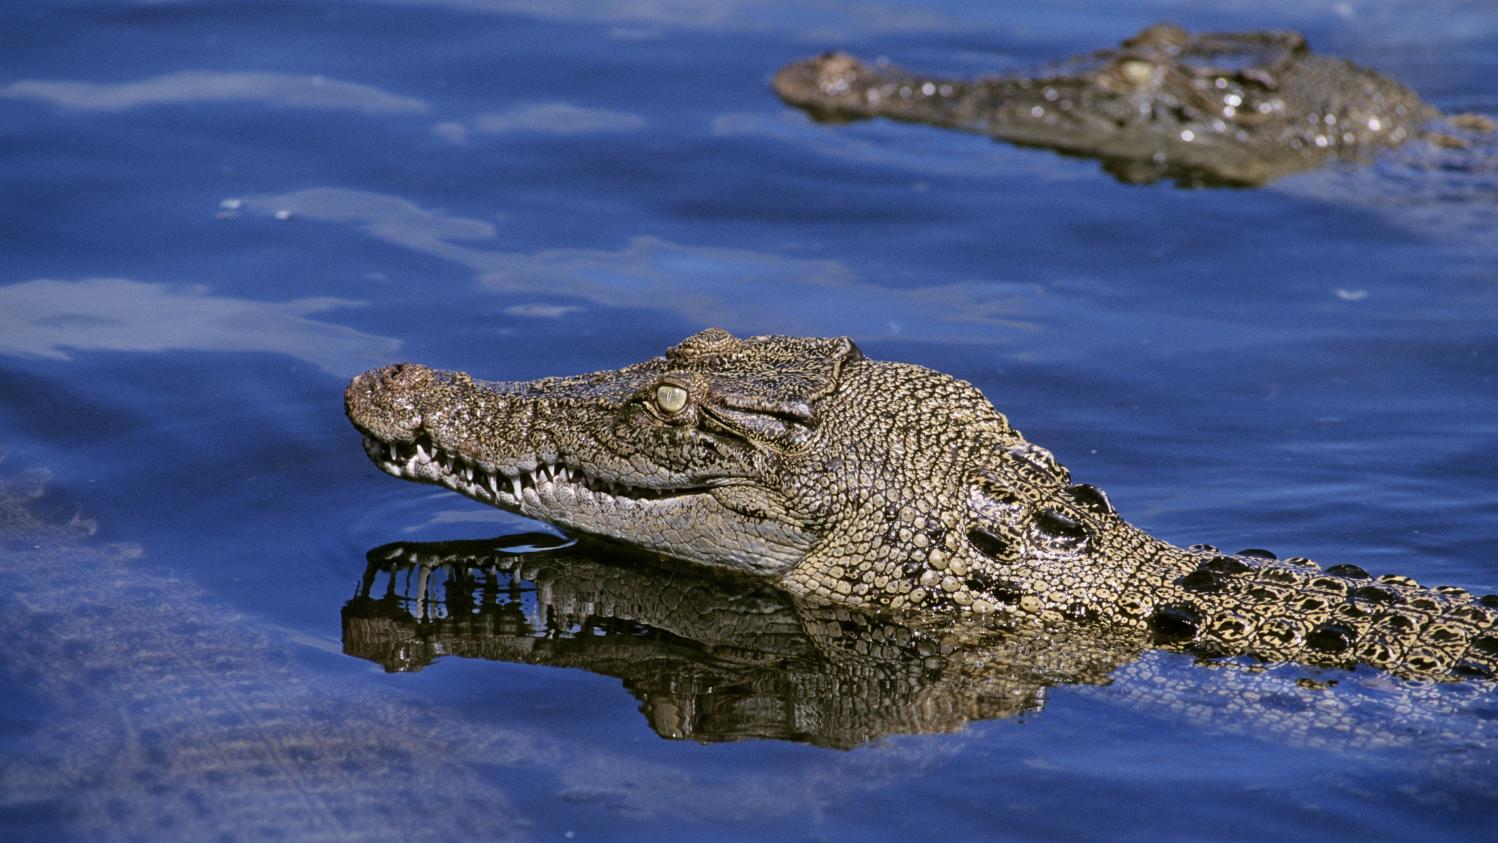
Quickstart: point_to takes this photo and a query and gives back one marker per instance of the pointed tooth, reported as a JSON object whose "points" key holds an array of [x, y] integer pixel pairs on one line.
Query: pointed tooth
{"points": [[494, 485], [515, 487], [393, 455]]}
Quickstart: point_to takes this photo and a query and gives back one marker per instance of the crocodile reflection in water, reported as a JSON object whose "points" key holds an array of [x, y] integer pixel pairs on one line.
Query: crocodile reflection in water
{"points": [[716, 658], [710, 658], [1232, 108]]}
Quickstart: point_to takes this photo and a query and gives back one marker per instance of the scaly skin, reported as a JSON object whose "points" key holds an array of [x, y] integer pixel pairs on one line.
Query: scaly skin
{"points": [[1227, 108], [883, 486]]}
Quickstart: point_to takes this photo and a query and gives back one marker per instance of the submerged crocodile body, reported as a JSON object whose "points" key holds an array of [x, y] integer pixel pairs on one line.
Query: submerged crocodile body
{"points": [[887, 487], [1224, 108]]}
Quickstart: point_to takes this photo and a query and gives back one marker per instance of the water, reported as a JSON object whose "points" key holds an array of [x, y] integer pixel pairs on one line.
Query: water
{"points": [[216, 212]]}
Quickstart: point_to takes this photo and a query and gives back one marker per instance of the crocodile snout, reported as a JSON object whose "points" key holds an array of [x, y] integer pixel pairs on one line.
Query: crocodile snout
{"points": [[383, 401]]}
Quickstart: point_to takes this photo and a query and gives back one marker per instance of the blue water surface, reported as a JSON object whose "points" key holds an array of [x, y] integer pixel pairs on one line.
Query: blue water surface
{"points": [[215, 213]]}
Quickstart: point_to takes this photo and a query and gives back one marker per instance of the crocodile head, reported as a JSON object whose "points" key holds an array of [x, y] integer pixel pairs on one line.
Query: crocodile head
{"points": [[689, 454]]}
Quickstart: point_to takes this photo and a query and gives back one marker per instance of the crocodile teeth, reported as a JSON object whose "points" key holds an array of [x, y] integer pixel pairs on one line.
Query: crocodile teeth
{"points": [[424, 460]]}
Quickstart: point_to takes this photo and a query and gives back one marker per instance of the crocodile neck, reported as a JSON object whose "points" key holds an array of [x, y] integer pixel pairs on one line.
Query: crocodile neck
{"points": [[1026, 541]]}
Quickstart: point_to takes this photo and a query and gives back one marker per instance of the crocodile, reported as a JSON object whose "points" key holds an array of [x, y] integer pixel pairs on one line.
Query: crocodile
{"points": [[886, 487], [1217, 108]]}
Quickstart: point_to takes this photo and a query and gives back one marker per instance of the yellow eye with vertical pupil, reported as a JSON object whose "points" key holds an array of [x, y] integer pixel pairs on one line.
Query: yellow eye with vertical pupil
{"points": [[670, 398]]}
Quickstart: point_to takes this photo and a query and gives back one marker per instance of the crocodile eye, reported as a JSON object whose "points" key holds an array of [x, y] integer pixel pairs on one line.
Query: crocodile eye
{"points": [[670, 398], [1136, 71]]}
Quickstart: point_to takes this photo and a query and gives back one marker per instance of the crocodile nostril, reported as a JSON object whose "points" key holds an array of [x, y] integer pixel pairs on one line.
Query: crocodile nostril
{"points": [[405, 376]]}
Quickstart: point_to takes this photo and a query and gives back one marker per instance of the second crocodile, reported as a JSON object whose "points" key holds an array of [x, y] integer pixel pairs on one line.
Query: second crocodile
{"points": [[1225, 108]]}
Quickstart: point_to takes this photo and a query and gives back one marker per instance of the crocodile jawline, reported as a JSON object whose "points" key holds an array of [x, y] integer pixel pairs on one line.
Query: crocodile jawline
{"points": [[509, 486]]}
